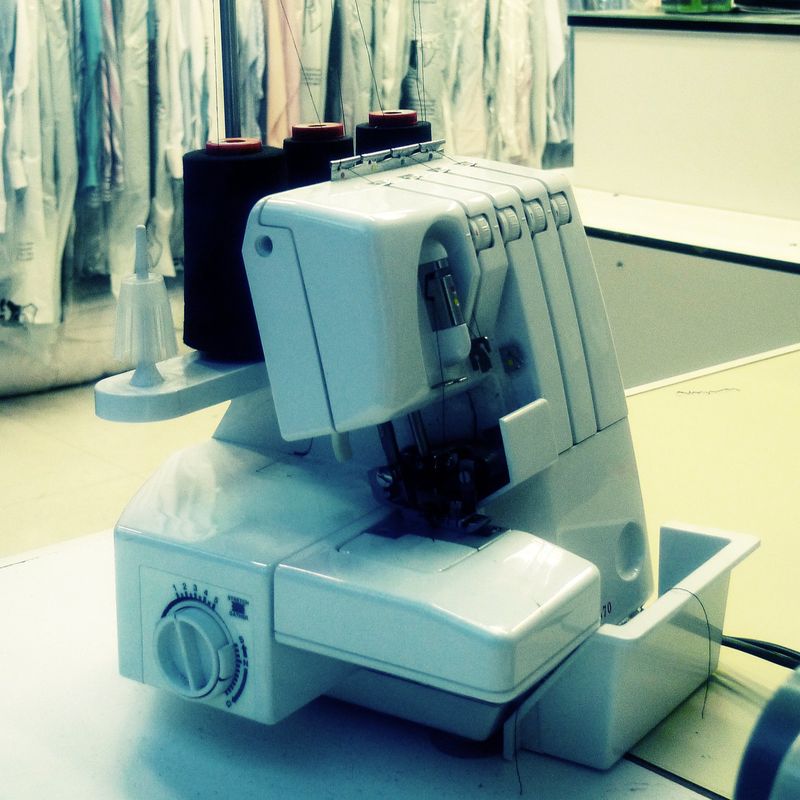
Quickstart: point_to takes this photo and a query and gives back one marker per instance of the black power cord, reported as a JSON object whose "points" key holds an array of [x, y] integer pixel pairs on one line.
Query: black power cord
{"points": [[775, 653]]}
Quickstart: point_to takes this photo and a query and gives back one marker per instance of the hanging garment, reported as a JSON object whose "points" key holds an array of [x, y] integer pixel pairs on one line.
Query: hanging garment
{"points": [[424, 86], [162, 210], [252, 63], [131, 199], [391, 48], [277, 128], [292, 46], [91, 103], [7, 22], [195, 102], [90, 244], [184, 130], [60, 173], [284, 40], [465, 107], [29, 289], [3, 203], [562, 127], [111, 105], [201, 103], [215, 112], [354, 40], [72, 20], [25, 78], [491, 61], [556, 55], [315, 52], [512, 72], [517, 80], [177, 55], [541, 85]]}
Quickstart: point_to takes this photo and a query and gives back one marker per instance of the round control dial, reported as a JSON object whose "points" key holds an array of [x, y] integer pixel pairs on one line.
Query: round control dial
{"points": [[481, 231], [194, 650], [537, 218], [560, 206], [510, 225]]}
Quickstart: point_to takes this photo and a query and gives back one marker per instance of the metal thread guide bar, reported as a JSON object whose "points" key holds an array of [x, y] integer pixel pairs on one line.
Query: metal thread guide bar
{"points": [[384, 160]]}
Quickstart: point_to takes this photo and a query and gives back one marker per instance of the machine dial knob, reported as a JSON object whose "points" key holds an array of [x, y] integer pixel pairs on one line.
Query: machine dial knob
{"points": [[561, 210], [510, 226], [194, 651], [537, 218], [481, 230]]}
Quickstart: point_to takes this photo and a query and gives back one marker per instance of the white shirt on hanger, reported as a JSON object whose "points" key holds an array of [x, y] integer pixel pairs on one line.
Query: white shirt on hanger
{"points": [[62, 156], [392, 45], [35, 284], [177, 53], [130, 206], [252, 62], [356, 81], [465, 110], [277, 124], [315, 50]]}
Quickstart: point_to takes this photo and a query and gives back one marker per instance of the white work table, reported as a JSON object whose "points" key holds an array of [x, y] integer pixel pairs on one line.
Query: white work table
{"points": [[722, 449], [70, 727]]}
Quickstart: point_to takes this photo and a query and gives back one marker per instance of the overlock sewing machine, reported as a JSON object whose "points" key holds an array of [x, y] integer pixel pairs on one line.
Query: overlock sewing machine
{"points": [[425, 501]]}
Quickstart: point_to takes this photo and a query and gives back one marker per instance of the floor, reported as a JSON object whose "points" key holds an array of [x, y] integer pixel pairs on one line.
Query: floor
{"points": [[65, 473]]}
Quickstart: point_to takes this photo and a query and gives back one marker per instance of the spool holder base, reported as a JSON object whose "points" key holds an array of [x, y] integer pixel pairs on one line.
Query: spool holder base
{"points": [[190, 383]]}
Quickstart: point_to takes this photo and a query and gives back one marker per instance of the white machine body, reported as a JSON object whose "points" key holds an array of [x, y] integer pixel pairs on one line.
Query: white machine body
{"points": [[431, 507]]}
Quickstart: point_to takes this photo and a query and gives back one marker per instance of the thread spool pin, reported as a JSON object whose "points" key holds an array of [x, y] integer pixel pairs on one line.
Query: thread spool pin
{"points": [[145, 333]]}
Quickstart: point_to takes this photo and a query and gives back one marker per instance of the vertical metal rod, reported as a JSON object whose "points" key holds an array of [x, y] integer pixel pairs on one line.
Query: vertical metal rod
{"points": [[419, 432], [389, 443], [230, 67]]}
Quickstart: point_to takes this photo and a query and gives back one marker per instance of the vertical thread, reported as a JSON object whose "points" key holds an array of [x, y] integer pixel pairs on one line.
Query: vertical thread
{"points": [[417, 10], [229, 40], [339, 74], [708, 630], [368, 51], [217, 56], [300, 61]]}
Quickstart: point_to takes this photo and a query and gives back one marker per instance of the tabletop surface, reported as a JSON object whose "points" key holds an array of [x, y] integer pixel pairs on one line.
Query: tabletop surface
{"points": [[720, 449], [70, 727]]}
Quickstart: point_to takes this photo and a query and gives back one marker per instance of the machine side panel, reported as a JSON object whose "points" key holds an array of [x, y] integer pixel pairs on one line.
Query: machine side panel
{"points": [[287, 331], [526, 319], [601, 358], [589, 502], [563, 318]]}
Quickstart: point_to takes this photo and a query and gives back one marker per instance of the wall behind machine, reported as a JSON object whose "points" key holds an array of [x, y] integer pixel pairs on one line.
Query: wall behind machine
{"points": [[673, 313]]}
